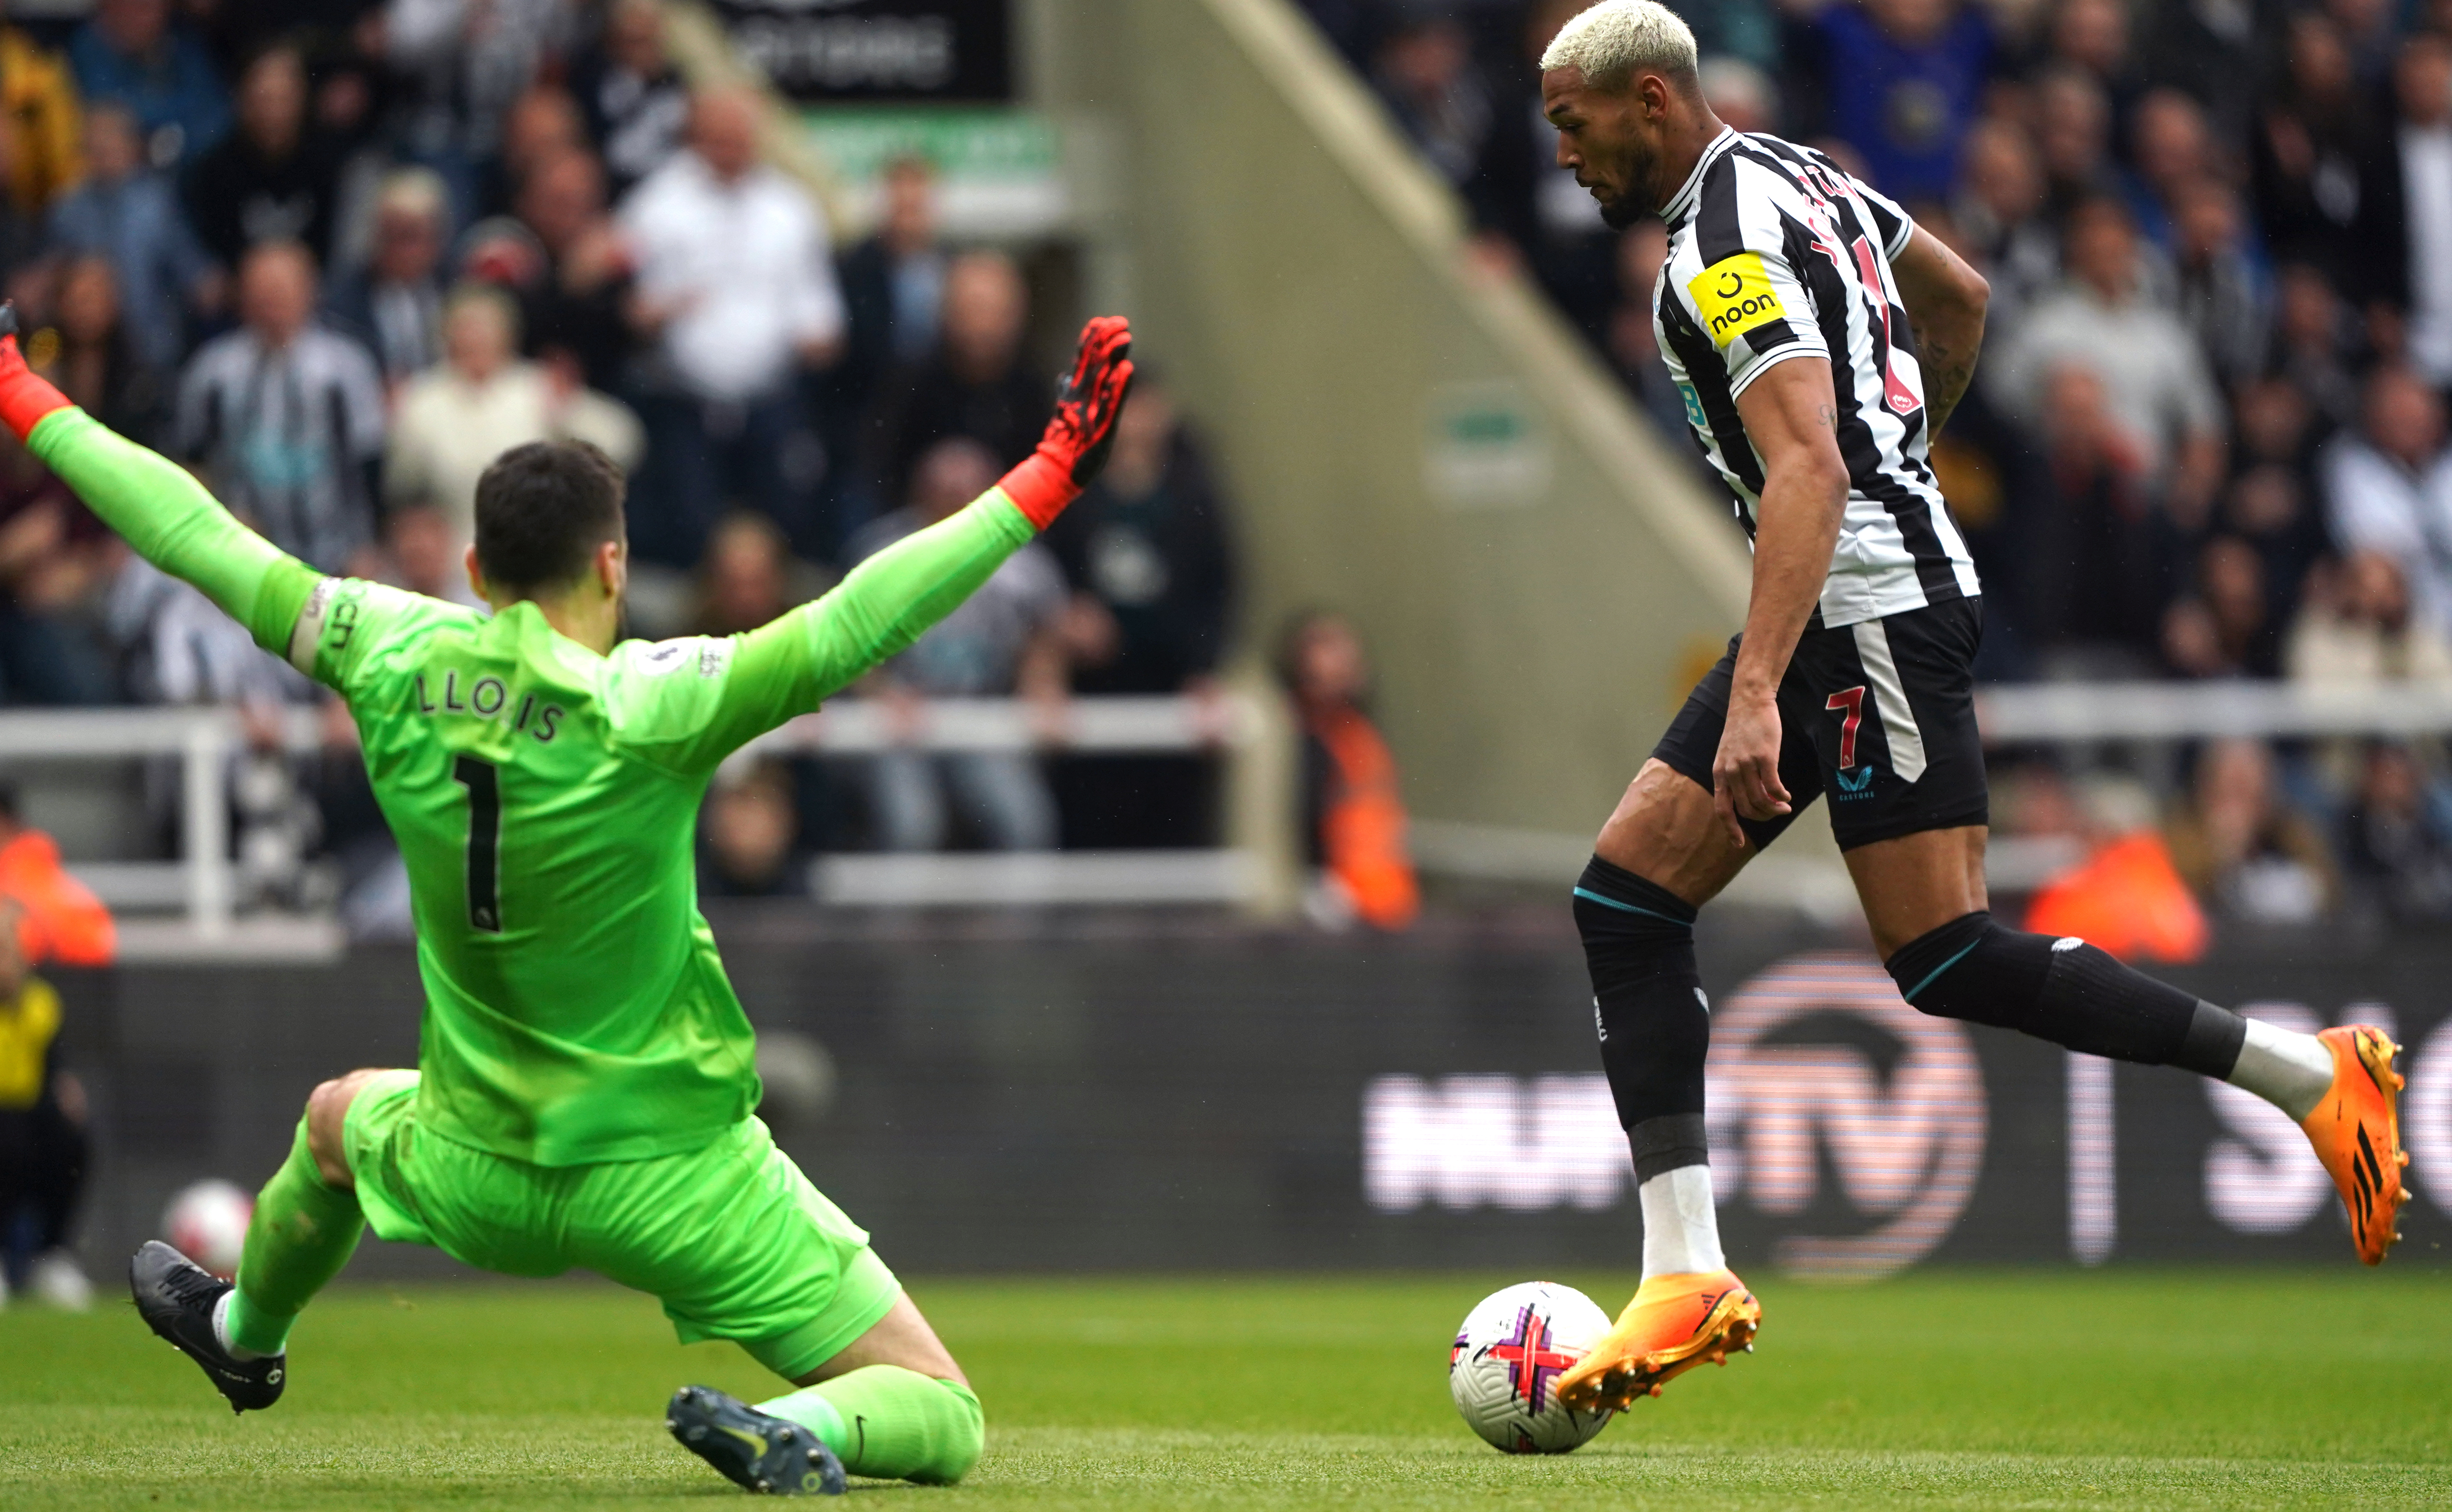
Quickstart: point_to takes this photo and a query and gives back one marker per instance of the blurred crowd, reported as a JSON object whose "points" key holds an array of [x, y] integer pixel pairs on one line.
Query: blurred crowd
{"points": [[338, 255], [2207, 440]]}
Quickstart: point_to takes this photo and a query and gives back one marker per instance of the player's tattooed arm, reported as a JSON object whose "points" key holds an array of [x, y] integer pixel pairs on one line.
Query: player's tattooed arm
{"points": [[1945, 300]]}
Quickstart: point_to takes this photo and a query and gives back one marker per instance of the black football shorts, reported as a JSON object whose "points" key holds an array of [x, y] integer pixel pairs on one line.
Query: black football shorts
{"points": [[1877, 716]]}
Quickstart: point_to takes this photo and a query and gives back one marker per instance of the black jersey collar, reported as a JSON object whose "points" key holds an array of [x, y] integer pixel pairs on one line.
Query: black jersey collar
{"points": [[1680, 207]]}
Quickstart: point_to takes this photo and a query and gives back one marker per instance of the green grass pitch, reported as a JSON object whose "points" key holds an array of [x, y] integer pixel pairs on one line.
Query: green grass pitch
{"points": [[1969, 1389]]}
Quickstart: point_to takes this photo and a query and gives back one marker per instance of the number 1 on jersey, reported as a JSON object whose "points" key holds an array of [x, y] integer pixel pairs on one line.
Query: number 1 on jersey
{"points": [[485, 841]]}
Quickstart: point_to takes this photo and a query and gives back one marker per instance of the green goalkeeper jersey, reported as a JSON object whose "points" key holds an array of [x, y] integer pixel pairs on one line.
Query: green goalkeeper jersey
{"points": [[545, 798]]}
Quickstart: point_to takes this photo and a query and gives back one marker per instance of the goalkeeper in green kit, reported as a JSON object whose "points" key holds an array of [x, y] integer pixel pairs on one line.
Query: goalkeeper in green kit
{"points": [[584, 1093]]}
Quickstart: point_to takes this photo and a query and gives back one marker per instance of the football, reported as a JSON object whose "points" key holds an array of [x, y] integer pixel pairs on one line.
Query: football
{"points": [[206, 1222], [1509, 1355]]}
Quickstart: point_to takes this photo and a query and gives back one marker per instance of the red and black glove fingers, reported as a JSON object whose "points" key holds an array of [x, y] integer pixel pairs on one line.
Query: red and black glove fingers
{"points": [[25, 396], [1083, 428]]}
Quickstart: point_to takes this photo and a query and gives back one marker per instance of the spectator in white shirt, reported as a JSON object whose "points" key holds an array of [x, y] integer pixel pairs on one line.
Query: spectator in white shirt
{"points": [[736, 284], [2390, 488], [482, 401]]}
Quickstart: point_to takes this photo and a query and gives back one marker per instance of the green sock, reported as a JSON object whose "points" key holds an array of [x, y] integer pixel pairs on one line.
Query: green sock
{"points": [[892, 1424], [303, 1233]]}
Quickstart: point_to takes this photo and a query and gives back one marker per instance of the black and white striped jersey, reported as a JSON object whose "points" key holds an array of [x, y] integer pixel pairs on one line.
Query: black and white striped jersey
{"points": [[1775, 252]]}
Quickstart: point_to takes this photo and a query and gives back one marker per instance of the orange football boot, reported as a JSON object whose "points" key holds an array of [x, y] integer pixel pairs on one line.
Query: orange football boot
{"points": [[2356, 1133], [1675, 1323]]}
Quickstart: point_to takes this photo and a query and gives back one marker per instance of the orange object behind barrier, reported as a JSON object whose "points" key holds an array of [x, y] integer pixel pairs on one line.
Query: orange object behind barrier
{"points": [[63, 920], [1362, 825], [2126, 898]]}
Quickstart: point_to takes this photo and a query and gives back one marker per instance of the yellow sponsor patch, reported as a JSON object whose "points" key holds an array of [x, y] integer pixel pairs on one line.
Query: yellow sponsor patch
{"points": [[1734, 295]]}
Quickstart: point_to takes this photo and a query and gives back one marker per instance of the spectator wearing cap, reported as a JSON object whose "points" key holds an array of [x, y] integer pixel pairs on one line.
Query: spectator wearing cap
{"points": [[286, 418], [2388, 488], [2156, 387], [735, 286], [1901, 82], [480, 402], [637, 106], [133, 52], [394, 304], [129, 213], [270, 180], [40, 102]]}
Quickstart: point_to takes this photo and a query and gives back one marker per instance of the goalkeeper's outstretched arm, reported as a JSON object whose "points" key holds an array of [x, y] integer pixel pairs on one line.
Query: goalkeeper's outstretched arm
{"points": [[154, 504], [892, 598]]}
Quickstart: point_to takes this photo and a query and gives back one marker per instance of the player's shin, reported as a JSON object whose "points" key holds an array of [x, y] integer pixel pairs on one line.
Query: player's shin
{"points": [[2077, 995], [891, 1423], [1655, 1028], [303, 1232]]}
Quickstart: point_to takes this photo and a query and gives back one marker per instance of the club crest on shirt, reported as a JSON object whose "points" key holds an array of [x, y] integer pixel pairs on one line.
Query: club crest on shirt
{"points": [[1734, 296]]}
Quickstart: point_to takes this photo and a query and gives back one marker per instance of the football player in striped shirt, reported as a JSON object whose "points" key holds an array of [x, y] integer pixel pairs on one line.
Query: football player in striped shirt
{"points": [[1820, 338]]}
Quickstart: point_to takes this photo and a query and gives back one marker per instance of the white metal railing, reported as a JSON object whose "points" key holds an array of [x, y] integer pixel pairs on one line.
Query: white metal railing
{"points": [[199, 884], [2048, 713]]}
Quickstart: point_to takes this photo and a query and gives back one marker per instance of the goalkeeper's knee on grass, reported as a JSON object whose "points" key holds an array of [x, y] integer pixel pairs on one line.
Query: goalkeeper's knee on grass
{"points": [[891, 1423]]}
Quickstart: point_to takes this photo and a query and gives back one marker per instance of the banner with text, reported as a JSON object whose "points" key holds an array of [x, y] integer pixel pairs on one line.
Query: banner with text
{"points": [[1218, 1099]]}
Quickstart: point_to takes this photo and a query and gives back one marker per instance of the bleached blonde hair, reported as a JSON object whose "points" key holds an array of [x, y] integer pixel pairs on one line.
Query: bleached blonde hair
{"points": [[1616, 39]]}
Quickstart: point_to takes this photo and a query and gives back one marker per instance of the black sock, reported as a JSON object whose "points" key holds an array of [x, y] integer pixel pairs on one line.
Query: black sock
{"points": [[1648, 1004], [2064, 991]]}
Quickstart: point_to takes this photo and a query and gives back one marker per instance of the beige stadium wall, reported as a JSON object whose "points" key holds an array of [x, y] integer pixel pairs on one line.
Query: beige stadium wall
{"points": [[1305, 281]]}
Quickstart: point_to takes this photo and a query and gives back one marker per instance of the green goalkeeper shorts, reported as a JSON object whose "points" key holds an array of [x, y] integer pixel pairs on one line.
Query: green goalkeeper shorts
{"points": [[731, 1237]]}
